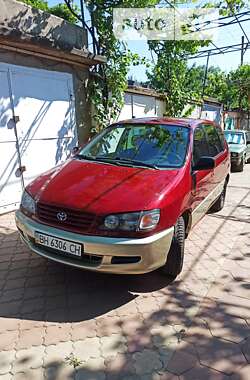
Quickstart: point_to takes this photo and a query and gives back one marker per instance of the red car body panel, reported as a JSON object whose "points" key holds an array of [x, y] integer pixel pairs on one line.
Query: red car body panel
{"points": [[103, 189]]}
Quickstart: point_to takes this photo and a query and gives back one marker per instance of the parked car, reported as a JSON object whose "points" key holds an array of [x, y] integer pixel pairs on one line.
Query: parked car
{"points": [[239, 147], [125, 202]]}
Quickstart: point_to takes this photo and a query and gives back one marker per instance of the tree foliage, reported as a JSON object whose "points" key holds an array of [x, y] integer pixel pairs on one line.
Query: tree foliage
{"points": [[170, 73], [232, 89], [60, 9], [110, 83], [215, 82], [237, 94]]}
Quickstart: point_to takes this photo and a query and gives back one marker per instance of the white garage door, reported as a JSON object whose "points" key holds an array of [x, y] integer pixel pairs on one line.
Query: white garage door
{"points": [[37, 126]]}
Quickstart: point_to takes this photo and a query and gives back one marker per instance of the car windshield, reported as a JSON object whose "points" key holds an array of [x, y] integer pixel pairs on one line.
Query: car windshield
{"points": [[156, 146], [234, 137]]}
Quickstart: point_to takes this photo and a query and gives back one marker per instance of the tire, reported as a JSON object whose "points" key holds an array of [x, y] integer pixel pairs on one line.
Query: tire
{"points": [[220, 202], [174, 262], [241, 165]]}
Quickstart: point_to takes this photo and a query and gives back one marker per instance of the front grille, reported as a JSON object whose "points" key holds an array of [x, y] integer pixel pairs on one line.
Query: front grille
{"points": [[76, 219]]}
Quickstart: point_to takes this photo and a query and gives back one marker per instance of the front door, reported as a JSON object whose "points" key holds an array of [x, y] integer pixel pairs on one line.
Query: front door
{"points": [[201, 179]]}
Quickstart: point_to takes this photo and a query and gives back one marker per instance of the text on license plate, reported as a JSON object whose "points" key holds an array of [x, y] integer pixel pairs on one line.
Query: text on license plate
{"points": [[59, 244]]}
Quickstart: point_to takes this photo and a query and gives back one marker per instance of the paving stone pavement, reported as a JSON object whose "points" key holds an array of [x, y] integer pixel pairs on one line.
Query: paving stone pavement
{"points": [[53, 318]]}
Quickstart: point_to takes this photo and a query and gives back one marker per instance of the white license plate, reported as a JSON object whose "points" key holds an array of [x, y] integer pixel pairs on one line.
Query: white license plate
{"points": [[58, 244]]}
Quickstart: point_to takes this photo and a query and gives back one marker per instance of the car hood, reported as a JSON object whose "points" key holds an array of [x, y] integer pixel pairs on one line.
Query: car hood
{"points": [[236, 148], [102, 188]]}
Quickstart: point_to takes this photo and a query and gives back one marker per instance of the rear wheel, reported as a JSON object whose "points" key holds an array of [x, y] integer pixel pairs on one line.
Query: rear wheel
{"points": [[174, 263], [219, 204]]}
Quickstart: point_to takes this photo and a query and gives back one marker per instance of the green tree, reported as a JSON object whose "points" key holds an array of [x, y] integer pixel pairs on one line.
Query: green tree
{"points": [[232, 89], [170, 73], [215, 84], [60, 9], [110, 80], [237, 94]]}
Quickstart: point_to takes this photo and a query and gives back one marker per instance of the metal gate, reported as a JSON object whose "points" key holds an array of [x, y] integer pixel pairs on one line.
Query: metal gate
{"points": [[37, 127]]}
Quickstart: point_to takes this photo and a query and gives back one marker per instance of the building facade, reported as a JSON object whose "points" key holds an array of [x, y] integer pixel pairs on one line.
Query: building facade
{"points": [[44, 104]]}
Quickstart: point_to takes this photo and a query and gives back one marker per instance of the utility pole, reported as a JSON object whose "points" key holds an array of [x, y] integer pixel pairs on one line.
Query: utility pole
{"points": [[204, 82], [242, 51], [205, 75]]}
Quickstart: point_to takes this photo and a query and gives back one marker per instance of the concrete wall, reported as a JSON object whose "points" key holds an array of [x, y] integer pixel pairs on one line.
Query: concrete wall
{"points": [[18, 20], [140, 105]]}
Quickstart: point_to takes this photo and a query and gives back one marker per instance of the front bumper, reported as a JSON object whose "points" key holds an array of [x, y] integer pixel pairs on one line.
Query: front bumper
{"points": [[104, 254]]}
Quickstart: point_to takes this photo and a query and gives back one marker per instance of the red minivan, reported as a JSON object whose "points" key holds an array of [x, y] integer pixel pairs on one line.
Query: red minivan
{"points": [[125, 202]]}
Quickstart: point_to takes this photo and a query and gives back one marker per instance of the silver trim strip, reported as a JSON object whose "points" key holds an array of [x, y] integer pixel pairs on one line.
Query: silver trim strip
{"points": [[207, 202]]}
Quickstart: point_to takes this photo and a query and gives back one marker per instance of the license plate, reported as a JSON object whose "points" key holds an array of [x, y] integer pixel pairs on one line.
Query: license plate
{"points": [[62, 245]]}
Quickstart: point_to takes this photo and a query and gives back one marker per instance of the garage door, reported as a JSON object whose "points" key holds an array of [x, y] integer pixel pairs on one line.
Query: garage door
{"points": [[37, 126]]}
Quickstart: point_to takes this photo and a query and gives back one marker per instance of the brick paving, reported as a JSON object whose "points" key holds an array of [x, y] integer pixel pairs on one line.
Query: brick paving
{"points": [[53, 318]]}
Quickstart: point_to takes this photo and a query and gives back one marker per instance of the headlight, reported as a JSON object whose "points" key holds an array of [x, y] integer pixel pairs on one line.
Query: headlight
{"points": [[132, 221], [28, 203]]}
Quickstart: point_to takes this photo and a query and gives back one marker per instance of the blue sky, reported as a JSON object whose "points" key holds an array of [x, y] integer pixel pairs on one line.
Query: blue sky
{"points": [[225, 36]]}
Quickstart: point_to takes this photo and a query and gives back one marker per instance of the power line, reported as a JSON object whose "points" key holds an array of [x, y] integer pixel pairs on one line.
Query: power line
{"points": [[174, 7], [220, 22], [223, 49]]}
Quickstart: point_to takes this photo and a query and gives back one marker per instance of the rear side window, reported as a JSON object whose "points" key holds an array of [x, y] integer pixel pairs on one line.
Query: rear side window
{"points": [[214, 142], [200, 145], [221, 137]]}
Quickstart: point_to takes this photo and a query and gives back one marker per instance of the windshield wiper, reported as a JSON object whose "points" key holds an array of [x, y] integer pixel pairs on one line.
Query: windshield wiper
{"points": [[135, 162], [117, 161], [97, 158], [84, 157]]}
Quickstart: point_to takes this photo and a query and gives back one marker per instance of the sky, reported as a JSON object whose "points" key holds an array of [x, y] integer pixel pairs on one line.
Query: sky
{"points": [[225, 36]]}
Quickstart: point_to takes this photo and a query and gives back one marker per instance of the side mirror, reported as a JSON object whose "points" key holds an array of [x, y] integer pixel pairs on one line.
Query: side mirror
{"points": [[205, 163], [75, 150]]}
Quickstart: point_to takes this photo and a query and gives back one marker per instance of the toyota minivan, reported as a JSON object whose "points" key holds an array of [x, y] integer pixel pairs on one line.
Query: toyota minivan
{"points": [[126, 201]]}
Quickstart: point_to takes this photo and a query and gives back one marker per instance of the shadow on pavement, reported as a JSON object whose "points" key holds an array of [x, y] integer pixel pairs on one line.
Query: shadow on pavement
{"points": [[35, 288]]}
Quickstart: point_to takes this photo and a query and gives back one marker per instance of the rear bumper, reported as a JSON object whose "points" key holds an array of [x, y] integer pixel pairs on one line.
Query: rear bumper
{"points": [[104, 254]]}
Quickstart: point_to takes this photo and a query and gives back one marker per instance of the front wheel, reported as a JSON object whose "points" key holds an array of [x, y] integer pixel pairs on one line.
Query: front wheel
{"points": [[174, 262]]}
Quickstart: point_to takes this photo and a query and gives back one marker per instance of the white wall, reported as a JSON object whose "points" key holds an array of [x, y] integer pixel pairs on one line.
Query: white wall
{"points": [[141, 106]]}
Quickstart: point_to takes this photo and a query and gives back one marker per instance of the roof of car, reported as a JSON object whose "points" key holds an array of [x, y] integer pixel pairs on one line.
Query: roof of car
{"points": [[185, 122]]}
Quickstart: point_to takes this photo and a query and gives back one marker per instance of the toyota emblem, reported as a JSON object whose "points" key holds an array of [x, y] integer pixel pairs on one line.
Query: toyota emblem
{"points": [[62, 216]]}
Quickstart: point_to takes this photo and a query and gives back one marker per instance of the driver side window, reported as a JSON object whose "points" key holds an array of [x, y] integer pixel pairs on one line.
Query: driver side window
{"points": [[200, 145]]}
